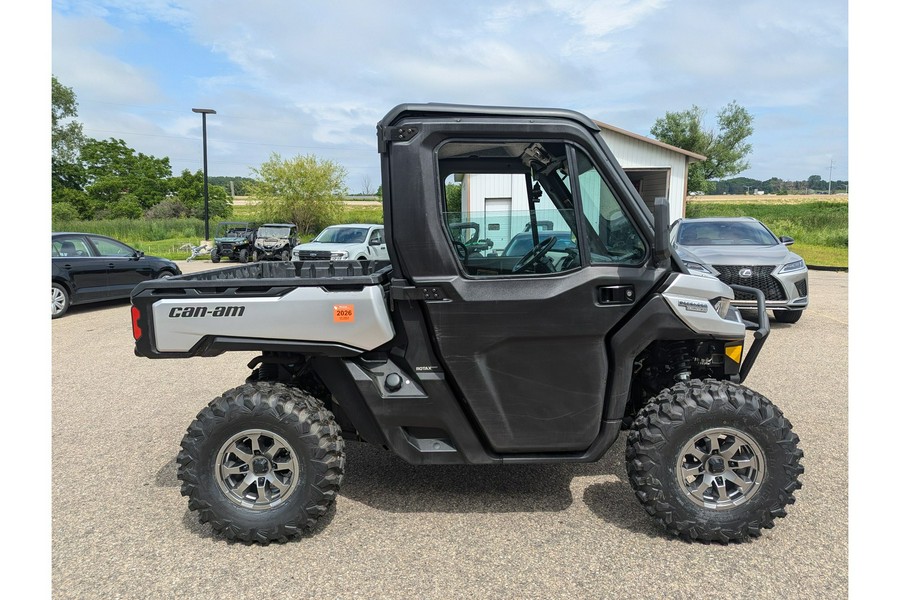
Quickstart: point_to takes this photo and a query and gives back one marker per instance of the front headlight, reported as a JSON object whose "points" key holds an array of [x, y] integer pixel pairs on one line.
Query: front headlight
{"points": [[339, 255], [721, 305], [797, 265], [695, 266]]}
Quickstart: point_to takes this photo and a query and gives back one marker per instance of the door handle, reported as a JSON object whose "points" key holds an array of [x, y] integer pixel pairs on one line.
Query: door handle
{"points": [[615, 294]]}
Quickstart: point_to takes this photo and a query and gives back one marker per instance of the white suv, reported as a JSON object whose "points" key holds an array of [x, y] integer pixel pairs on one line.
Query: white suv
{"points": [[358, 241]]}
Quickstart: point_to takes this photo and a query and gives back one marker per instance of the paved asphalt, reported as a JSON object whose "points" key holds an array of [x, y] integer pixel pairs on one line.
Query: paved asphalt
{"points": [[120, 528]]}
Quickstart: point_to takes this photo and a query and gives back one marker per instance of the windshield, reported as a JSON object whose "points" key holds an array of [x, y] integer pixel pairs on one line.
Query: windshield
{"points": [[342, 235], [724, 233], [265, 232]]}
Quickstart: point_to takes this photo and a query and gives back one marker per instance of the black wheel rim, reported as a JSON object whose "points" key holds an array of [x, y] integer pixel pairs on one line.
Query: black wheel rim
{"points": [[257, 469], [720, 468]]}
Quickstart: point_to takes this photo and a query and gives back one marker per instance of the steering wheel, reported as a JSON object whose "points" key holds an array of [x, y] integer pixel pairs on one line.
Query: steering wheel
{"points": [[534, 255], [461, 250]]}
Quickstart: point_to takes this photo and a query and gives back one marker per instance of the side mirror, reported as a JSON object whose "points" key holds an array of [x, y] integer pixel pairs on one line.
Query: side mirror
{"points": [[661, 250], [786, 240], [138, 254]]}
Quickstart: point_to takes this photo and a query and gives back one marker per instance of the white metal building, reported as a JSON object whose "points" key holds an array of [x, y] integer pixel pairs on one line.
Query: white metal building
{"points": [[654, 168]]}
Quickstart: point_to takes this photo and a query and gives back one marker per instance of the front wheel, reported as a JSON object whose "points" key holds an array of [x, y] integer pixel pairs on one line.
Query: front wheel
{"points": [[243, 255], [713, 461], [214, 255], [262, 463], [286, 255], [788, 316]]}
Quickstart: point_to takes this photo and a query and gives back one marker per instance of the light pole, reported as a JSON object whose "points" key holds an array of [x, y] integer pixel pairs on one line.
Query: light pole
{"points": [[204, 112]]}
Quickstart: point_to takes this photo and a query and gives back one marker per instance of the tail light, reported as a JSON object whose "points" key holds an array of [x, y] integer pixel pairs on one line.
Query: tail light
{"points": [[135, 328]]}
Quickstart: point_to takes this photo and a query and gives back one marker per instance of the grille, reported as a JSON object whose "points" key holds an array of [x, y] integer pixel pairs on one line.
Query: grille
{"points": [[761, 278], [226, 247], [801, 288], [314, 254]]}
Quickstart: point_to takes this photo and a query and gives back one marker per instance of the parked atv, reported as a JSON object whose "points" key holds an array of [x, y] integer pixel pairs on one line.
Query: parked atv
{"points": [[540, 355], [274, 241], [233, 240]]}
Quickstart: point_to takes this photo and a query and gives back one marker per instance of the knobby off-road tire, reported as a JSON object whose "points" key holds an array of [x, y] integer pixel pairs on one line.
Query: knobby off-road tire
{"points": [[713, 461], [262, 462], [214, 255]]}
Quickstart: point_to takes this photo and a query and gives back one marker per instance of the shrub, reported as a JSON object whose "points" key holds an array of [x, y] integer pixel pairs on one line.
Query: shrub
{"points": [[63, 211]]}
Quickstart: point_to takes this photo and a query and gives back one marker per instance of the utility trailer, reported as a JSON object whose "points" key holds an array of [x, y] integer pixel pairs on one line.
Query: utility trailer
{"points": [[448, 357]]}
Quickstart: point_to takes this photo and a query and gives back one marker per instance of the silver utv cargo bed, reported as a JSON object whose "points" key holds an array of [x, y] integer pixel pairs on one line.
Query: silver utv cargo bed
{"points": [[336, 308]]}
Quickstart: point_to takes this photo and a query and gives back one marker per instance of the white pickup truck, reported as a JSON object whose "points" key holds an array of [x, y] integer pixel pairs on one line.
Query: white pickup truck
{"points": [[357, 241]]}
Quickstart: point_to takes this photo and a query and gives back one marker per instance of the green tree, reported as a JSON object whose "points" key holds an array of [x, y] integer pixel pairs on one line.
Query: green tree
{"points": [[114, 171], [303, 190], [188, 190], [726, 148], [66, 138]]}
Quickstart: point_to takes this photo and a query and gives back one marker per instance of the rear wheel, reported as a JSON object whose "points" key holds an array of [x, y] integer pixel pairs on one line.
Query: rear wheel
{"points": [[788, 316], [59, 300], [262, 463], [214, 255], [713, 461]]}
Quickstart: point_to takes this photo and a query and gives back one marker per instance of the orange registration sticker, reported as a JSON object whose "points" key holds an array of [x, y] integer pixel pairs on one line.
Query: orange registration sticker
{"points": [[343, 313]]}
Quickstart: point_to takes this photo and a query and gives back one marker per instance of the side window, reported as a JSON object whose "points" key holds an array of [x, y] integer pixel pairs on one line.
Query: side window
{"points": [[108, 247], [70, 247], [507, 208], [611, 236], [377, 237]]}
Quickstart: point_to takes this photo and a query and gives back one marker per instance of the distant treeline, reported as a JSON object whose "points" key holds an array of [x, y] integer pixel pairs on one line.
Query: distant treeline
{"points": [[226, 182], [745, 185]]}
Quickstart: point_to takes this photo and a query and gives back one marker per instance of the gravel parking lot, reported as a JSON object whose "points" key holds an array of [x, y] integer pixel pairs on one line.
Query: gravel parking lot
{"points": [[120, 528]]}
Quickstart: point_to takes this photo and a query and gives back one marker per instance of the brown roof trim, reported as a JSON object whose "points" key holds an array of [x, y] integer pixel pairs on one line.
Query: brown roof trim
{"points": [[690, 155]]}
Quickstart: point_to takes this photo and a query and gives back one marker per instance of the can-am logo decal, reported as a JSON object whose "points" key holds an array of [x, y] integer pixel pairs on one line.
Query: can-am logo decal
{"points": [[693, 306], [206, 311]]}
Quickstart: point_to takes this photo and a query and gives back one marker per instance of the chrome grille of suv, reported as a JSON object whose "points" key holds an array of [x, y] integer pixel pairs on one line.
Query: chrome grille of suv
{"points": [[314, 254], [761, 278]]}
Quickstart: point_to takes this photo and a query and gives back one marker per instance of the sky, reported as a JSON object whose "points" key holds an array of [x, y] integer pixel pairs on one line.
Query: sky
{"points": [[293, 77]]}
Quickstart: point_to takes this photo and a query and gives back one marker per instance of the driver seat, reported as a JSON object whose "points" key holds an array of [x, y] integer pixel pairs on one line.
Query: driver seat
{"points": [[67, 248]]}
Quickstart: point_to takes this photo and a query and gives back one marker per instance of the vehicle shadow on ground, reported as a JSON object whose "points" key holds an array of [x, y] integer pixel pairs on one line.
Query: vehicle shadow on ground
{"points": [[381, 480]]}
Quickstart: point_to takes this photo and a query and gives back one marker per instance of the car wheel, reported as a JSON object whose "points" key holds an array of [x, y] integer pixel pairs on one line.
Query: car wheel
{"points": [[788, 316], [713, 461], [285, 255], [214, 255], [243, 255], [165, 274], [262, 463], [59, 300], [254, 256]]}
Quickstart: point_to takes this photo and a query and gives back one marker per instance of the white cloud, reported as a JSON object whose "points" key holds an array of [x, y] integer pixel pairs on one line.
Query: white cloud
{"points": [[299, 77]]}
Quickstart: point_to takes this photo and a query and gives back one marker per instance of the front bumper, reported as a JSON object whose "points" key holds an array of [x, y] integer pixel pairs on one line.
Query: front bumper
{"points": [[781, 291]]}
